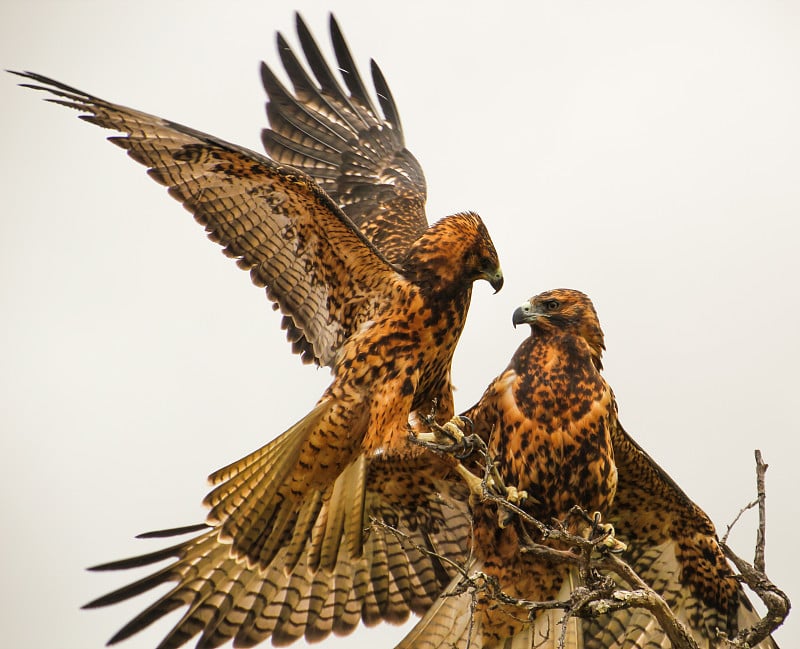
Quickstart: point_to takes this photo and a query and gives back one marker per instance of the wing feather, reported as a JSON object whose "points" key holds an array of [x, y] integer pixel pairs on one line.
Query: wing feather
{"points": [[448, 623], [273, 219], [337, 136], [674, 547], [303, 592]]}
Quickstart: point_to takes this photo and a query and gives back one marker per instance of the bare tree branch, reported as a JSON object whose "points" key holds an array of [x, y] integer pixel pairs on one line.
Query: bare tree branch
{"points": [[776, 601], [761, 535], [600, 594]]}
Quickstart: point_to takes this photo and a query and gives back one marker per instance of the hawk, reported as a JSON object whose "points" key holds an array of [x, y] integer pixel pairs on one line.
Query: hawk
{"points": [[550, 423], [333, 226]]}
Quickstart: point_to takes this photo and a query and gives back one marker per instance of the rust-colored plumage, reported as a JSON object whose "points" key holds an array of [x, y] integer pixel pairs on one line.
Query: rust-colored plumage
{"points": [[551, 425], [340, 241]]}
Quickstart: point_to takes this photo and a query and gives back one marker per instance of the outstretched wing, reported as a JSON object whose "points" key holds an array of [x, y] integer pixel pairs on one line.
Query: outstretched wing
{"points": [[337, 137], [322, 586], [274, 220], [672, 544]]}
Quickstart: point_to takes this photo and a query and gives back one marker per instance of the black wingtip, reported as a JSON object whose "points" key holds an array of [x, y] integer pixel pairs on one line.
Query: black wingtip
{"points": [[174, 531], [40, 78], [141, 560], [281, 43], [26, 74], [385, 98], [299, 23], [31, 76], [332, 23], [74, 97]]}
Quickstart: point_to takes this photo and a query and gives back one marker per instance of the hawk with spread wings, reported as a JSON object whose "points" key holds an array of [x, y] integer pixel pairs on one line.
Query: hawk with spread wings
{"points": [[550, 423], [332, 224]]}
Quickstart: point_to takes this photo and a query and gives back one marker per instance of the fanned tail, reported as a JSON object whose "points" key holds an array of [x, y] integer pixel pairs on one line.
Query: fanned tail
{"points": [[449, 623], [457, 621], [551, 626], [251, 504], [333, 572]]}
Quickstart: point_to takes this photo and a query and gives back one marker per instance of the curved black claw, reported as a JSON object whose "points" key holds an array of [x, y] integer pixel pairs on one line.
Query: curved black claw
{"points": [[469, 425], [469, 444], [454, 437], [443, 442]]}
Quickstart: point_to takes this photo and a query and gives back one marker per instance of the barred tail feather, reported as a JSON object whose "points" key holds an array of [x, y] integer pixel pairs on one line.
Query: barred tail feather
{"points": [[448, 623], [250, 503]]}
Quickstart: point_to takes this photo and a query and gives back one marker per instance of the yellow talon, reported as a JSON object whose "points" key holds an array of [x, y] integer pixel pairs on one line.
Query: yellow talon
{"points": [[515, 496], [474, 483], [609, 541], [454, 429], [450, 432]]}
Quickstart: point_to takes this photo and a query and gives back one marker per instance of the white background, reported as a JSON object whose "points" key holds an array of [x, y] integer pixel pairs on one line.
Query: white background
{"points": [[645, 153]]}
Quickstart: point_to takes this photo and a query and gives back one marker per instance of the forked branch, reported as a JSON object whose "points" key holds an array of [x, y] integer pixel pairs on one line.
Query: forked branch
{"points": [[600, 593]]}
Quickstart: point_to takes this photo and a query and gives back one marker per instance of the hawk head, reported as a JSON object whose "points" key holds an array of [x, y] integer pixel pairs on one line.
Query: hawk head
{"points": [[563, 309], [452, 254]]}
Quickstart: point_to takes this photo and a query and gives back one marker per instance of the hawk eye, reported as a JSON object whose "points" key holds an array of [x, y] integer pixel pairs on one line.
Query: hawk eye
{"points": [[551, 305]]}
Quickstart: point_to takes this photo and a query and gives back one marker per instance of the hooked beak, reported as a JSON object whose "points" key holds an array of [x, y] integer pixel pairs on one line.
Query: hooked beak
{"points": [[523, 314], [495, 278]]}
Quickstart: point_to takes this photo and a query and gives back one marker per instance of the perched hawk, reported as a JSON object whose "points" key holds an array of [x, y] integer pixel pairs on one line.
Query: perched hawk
{"points": [[551, 424], [333, 225]]}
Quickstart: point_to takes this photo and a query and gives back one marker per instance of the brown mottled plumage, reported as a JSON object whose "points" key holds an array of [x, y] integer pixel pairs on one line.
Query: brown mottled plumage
{"points": [[553, 441], [673, 546], [337, 138], [547, 420], [551, 424], [367, 288]]}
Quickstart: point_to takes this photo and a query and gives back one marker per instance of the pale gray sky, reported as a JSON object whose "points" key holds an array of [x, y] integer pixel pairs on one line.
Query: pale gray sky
{"points": [[645, 153]]}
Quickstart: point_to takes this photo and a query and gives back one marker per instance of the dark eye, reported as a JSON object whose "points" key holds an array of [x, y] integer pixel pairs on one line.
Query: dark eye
{"points": [[551, 305]]}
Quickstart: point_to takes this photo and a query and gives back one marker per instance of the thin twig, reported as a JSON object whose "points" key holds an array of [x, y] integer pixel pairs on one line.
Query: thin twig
{"points": [[736, 519], [598, 596], [761, 535]]}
